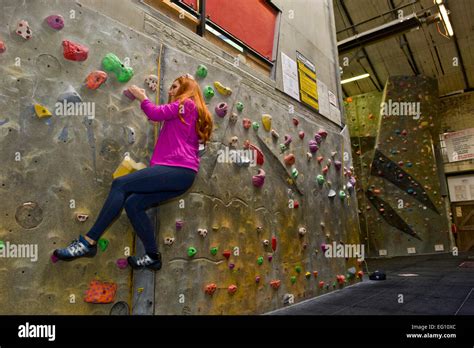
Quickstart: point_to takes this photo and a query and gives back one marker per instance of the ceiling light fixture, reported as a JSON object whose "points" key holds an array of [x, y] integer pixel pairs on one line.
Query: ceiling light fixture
{"points": [[444, 16], [355, 78]]}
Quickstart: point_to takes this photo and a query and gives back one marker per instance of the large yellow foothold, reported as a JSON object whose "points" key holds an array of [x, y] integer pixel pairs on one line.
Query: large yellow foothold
{"points": [[222, 89], [267, 122], [42, 111], [127, 166]]}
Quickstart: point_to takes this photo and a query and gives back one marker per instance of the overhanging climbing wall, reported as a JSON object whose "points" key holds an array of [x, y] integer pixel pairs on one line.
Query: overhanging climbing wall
{"points": [[55, 167], [239, 217], [402, 210]]}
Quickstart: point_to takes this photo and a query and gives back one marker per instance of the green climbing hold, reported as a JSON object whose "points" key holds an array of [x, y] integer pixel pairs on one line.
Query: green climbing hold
{"points": [[239, 106], [2, 244], [214, 251], [192, 251], [298, 269], [282, 148], [112, 63], [209, 92], [201, 71], [260, 260], [293, 279], [255, 126], [103, 244], [320, 179], [294, 173], [342, 194]]}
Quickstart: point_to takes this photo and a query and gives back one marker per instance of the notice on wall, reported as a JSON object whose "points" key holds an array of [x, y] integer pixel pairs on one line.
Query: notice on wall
{"points": [[461, 188], [323, 99], [333, 99], [460, 145], [289, 71], [307, 82]]}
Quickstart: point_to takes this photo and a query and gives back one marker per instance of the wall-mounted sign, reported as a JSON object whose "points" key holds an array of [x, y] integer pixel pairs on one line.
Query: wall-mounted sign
{"points": [[307, 82], [461, 188], [290, 77], [460, 145]]}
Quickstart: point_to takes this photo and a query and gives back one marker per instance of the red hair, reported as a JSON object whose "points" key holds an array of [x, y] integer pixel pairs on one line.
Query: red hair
{"points": [[189, 88]]}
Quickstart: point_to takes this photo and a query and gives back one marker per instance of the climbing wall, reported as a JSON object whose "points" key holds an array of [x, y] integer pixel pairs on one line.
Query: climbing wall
{"points": [[239, 247], [233, 261], [401, 209], [61, 165]]}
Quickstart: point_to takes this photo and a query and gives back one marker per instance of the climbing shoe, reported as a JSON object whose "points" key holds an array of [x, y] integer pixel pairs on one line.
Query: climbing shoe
{"points": [[78, 248], [145, 262]]}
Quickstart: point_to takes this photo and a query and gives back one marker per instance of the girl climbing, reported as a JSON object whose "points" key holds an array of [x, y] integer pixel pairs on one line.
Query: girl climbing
{"points": [[173, 168]]}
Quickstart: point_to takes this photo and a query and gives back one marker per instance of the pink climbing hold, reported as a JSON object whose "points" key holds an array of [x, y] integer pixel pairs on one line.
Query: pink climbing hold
{"points": [[259, 179], [74, 51], [301, 134], [55, 21], [3, 48], [323, 133], [318, 138], [54, 259], [122, 263], [128, 94]]}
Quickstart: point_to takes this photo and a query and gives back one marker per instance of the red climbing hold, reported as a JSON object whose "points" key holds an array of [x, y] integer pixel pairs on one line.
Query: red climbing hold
{"points": [[275, 284], [210, 288], [290, 159], [301, 134], [232, 289], [295, 204], [74, 51], [360, 274], [321, 284], [226, 254], [95, 79], [323, 133], [320, 159], [295, 121], [3, 48], [340, 279], [260, 157], [274, 243]]}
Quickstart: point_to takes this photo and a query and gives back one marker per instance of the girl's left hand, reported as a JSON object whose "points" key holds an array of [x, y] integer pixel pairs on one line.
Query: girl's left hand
{"points": [[139, 93]]}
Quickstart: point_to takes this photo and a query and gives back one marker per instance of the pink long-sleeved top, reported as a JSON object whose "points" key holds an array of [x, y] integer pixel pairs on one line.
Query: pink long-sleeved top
{"points": [[178, 144]]}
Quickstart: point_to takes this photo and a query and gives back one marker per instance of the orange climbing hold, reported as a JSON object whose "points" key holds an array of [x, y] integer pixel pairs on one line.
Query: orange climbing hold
{"points": [[100, 292], [232, 289], [275, 284], [210, 288], [95, 79]]}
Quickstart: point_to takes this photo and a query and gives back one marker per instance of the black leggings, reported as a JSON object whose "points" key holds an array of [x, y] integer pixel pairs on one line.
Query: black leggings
{"points": [[137, 192]]}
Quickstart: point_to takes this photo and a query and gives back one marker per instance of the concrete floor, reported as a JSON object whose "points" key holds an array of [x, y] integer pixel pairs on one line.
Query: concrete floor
{"points": [[441, 287]]}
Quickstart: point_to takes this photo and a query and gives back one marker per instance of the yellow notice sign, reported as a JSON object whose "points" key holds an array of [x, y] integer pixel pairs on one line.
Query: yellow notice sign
{"points": [[307, 82]]}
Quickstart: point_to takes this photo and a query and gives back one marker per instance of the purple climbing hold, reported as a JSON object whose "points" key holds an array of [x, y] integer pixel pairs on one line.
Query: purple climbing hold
{"points": [[55, 21], [122, 263], [221, 109], [288, 140], [324, 247], [318, 138], [338, 165], [128, 94], [54, 259], [231, 266], [259, 179], [313, 146]]}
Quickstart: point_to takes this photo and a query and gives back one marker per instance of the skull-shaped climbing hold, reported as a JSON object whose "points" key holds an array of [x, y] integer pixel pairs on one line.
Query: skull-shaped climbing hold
{"points": [[23, 29], [320, 179], [266, 242], [169, 240], [239, 106], [112, 63], [313, 146], [302, 231], [259, 179], [274, 134], [81, 217], [267, 122], [232, 289], [95, 79], [255, 126], [275, 284], [225, 91], [192, 251], [152, 82], [233, 117], [259, 229], [201, 71], [202, 232], [246, 123], [221, 109], [233, 142], [55, 21], [210, 289], [309, 156], [208, 92], [290, 159], [74, 51]]}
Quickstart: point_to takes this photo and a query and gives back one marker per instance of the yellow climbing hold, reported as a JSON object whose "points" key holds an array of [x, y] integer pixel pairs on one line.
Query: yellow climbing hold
{"points": [[127, 166], [222, 89], [42, 111], [267, 122]]}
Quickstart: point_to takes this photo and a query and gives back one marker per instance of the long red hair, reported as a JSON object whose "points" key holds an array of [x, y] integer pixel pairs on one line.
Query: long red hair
{"points": [[189, 88]]}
